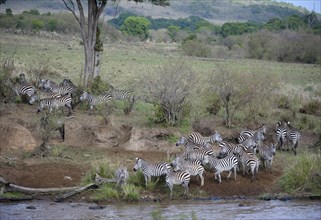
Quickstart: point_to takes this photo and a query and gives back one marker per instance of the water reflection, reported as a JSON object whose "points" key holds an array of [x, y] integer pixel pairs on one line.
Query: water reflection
{"points": [[227, 209]]}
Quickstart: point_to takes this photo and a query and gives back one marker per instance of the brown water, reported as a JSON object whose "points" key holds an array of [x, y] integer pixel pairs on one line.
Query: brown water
{"points": [[219, 209]]}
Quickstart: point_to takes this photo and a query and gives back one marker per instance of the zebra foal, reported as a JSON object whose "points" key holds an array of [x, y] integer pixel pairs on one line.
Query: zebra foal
{"points": [[121, 176], [177, 178], [266, 154]]}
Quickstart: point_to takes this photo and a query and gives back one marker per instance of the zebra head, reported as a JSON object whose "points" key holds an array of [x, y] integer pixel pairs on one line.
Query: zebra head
{"points": [[273, 148], [205, 160], [41, 83], [176, 160], [84, 96], [33, 99], [181, 141], [216, 137], [138, 164]]}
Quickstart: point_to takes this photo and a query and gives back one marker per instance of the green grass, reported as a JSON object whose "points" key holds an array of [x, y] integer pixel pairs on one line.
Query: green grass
{"points": [[302, 174]]}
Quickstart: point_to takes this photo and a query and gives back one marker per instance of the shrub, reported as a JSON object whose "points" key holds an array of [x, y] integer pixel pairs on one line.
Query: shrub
{"points": [[312, 107], [302, 174], [215, 104], [168, 90], [196, 48], [37, 24], [98, 86], [131, 192]]}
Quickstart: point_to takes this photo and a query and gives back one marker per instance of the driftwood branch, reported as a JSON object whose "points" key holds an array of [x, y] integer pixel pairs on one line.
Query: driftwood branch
{"points": [[63, 193]]}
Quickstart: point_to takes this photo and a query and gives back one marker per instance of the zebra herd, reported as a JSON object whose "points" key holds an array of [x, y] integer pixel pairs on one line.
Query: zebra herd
{"points": [[213, 154], [51, 95]]}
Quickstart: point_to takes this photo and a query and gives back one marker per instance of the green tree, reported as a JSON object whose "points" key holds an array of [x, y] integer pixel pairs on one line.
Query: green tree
{"points": [[172, 32], [9, 12], [136, 26]]}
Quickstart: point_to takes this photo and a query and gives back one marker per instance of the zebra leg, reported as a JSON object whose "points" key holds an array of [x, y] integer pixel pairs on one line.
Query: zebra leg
{"points": [[234, 169], [185, 184], [218, 174], [202, 179], [229, 174]]}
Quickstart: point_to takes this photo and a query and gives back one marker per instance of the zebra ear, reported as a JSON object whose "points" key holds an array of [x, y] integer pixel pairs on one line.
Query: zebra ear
{"points": [[137, 158]]}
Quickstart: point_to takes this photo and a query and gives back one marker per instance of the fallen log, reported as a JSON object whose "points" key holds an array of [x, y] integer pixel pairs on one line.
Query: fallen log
{"points": [[64, 192]]}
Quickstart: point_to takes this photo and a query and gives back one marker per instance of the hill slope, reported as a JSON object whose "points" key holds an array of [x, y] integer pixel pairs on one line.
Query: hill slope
{"points": [[216, 11]]}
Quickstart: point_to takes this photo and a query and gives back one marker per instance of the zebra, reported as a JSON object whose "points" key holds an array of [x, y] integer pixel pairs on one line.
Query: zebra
{"points": [[56, 103], [40, 95], [46, 84], [186, 143], [121, 176], [281, 135], [230, 148], [49, 86], [151, 169], [20, 90], [177, 178], [227, 163], [266, 154], [293, 137], [248, 161], [258, 134], [199, 140], [194, 168], [95, 100], [201, 155], [118, 94]]}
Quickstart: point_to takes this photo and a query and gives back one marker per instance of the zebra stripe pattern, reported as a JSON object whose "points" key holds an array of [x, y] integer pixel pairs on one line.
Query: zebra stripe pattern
{"points": [[56, 103], [42, 95], [199, 140], [266, 154], [118, 94], [201, 155], [187, 144], [194, 168], [227, 163], [20, 90], [151, 169], [258, 135], [281, 135], [178, 178], [293, 137], [121, 176], [95, 100], [248, 161]]}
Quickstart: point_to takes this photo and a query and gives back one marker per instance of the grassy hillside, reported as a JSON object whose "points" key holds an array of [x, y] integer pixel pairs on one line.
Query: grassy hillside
{"points": [[213, 10], [125, 65]]}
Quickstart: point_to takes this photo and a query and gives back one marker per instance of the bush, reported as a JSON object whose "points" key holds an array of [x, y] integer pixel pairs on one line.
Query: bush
{"points": [[312, 107], [99, 86], [302, 174], [131, 192], [196, 48], [168, 90], [37, 24], [215, 104]]}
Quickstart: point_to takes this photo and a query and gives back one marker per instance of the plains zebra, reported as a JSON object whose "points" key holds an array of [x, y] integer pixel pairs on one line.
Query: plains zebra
{"points": [[227, 163], [293, 137], [46, 84], [229, 148], [177, 178], [121, 176], [40, 95], [20, 90], [194, 168], [56, 103], [151, 169], [95, 100], [258, 134], [266, 154], [249, 161], [281, 135], [199, 140], [187, 144], [118, 94], [201, 155]]}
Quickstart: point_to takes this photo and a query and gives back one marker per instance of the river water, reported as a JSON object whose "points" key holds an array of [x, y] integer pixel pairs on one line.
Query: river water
{"points": [[209, 209]]}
